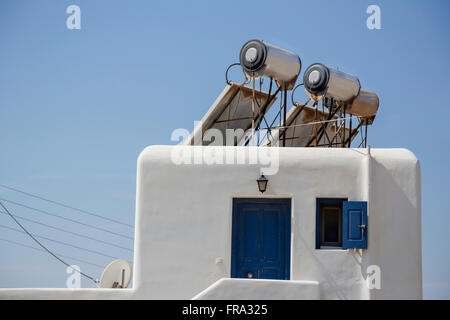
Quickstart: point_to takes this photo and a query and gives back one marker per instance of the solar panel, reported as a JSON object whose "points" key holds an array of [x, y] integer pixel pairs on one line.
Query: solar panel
{"points": [[232, 110], [301, 129]]}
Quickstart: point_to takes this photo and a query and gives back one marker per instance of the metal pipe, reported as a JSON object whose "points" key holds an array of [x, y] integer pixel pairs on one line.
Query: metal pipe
{"points": [[284, 117], [351, 135]]}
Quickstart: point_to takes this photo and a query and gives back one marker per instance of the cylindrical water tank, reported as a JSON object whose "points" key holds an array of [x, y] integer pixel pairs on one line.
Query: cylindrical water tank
{"points": [[364, 105], [320, 80], [258, 58]]}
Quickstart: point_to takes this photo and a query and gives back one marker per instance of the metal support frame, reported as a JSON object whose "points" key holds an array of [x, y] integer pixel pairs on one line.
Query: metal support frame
{"points": [[336, 114]]}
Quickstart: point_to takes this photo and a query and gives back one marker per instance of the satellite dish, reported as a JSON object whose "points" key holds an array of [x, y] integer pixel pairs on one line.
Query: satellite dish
{"points": [[117, 274]]}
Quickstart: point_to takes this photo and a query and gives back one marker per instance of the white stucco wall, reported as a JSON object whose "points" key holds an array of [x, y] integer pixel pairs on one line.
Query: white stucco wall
{"points": [[184, 213], [184, 217]]}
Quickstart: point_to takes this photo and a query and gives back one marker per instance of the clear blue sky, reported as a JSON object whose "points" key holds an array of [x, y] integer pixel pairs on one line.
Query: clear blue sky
{"points": [[78, 106]]}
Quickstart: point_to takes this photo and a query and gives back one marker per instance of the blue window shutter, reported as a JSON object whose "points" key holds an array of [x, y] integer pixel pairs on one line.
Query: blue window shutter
{"points": [[354, 224]]}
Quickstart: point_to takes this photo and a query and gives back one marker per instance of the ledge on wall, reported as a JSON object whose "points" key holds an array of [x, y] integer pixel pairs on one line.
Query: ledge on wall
{"points": [[260, 289]]}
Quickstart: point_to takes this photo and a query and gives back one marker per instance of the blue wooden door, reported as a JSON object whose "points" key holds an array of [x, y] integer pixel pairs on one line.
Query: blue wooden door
{"points": [[261, 238]]}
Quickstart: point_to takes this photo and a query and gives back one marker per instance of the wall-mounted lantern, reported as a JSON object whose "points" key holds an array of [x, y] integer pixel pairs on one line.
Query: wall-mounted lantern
{"points": [[262, 183]]}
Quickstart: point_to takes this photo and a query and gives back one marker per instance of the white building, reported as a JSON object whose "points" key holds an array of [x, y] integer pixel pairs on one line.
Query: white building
{"points": [[333, 223], [200, 228]]}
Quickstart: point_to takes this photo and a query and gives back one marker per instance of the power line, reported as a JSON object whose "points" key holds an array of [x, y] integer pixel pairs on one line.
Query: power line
{"points": [[40, 250], [66, 206], [57, 241], [70, 232], [67, 219], [45, 248]]}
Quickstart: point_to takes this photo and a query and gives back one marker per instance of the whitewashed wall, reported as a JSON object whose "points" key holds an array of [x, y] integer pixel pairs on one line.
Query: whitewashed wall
{"points": [[184, 217], [183, 221]]}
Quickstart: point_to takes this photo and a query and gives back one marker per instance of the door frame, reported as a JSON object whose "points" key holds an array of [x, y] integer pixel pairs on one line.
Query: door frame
{"points": [[288, 238]]}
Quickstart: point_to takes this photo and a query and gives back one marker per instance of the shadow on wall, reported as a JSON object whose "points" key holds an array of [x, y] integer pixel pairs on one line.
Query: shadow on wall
{"points": [[395, 231]]}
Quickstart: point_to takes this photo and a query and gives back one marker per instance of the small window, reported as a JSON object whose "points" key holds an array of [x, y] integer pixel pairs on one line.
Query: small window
{"points": [[329, 218], [341, 224], [331, 225]]}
